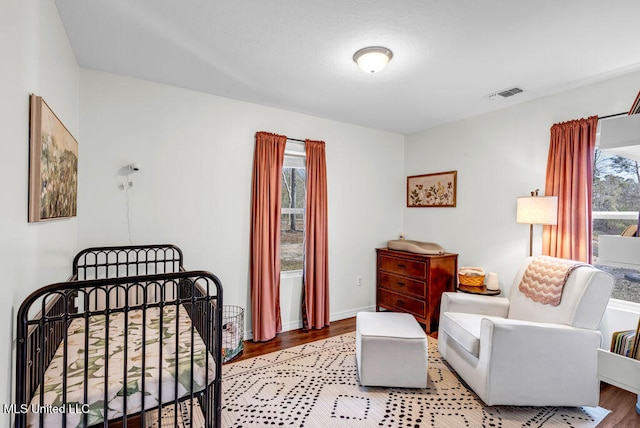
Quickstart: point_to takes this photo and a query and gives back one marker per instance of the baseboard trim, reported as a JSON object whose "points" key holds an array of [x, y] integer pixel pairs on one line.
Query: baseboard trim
{"points": [[351, 313], [336, 316]]}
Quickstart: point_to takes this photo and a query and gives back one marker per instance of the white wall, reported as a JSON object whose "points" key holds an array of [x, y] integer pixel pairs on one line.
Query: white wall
{"points": [[499, 156], [194, 189], [36, 58]]}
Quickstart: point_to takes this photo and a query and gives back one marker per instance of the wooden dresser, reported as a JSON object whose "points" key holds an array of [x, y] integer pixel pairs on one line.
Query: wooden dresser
{"points": [[414, 283]]}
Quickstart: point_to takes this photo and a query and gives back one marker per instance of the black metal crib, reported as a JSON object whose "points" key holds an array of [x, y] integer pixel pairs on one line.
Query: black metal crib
{"points": [[132, 339]]}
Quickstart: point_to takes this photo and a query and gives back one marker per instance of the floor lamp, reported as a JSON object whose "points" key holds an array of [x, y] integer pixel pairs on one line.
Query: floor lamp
{"points": [[536, 209]]}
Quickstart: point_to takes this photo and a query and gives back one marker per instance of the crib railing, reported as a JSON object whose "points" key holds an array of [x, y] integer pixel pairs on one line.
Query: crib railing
{"points": [[199, 293], [131, 260]]}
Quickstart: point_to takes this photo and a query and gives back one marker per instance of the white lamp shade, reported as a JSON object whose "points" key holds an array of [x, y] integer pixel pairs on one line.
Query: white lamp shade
{"points": [[537, 210], [372, 59]]}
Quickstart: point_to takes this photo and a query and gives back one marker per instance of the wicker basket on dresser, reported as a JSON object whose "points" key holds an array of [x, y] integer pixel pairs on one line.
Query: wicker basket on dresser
{"points": [[413, 283]]}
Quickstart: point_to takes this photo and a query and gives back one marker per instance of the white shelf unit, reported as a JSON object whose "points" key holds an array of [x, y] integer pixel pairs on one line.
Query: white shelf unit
{"points": [[617, 370], [620, 371]]}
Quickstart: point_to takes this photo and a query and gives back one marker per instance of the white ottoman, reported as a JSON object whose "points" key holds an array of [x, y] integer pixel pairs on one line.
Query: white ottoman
{"points": [[391, 350]]}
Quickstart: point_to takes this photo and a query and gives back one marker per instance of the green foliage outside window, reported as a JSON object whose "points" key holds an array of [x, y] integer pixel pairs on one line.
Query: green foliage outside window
{"points": [[292, 219]]}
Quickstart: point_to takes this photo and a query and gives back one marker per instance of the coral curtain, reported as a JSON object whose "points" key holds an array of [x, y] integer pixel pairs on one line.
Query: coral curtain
{"points": [[315, 294], [570, 178], [266, 190]]}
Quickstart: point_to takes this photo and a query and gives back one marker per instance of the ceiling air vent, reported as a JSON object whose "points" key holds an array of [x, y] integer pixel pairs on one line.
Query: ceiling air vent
{"points": [[505, 93]]}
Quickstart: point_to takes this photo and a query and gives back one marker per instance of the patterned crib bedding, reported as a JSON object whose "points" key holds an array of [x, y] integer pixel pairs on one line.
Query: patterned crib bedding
{"points": [[163, 367]]}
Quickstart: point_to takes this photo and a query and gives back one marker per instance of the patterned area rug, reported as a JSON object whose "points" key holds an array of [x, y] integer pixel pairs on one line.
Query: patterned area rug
{"points": [[185, 417], [316, 385]]}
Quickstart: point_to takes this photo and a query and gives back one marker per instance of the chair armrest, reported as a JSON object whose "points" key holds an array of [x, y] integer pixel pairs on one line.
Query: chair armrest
{"points": [[474, 304], [521, 357], [541, 345]]}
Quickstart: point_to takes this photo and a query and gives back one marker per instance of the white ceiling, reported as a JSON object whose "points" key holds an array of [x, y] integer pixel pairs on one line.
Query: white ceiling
{"points": [[297, 54]]}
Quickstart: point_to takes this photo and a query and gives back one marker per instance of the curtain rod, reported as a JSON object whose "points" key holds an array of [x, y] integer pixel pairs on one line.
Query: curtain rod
{"points": [[612, 115], [295, 139]]}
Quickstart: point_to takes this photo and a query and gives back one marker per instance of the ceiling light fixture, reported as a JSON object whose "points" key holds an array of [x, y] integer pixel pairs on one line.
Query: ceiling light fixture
{"points": [[373, 58]]}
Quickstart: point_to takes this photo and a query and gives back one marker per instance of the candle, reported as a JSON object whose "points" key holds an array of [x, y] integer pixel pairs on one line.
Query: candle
{"points": [[492, 281]]}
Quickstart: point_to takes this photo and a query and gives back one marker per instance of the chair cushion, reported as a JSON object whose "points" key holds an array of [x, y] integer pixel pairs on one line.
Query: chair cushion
{"points": [[464, 329], [584, 299]]}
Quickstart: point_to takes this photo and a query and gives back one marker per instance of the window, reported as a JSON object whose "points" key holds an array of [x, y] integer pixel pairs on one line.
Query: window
{"points": [[292, 212], [616, 199]]}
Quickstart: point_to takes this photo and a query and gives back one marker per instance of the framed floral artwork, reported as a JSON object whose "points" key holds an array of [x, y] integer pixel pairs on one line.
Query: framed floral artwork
{"points": [[432, 190], [53, 165]]}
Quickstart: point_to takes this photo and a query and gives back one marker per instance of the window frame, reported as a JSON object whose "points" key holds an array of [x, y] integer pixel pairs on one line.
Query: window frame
{"points": [[617, 215]]}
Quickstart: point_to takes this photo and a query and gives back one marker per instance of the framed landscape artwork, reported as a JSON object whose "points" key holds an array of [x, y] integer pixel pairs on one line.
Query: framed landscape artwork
{"points": [[432, 190], [53, 165]]}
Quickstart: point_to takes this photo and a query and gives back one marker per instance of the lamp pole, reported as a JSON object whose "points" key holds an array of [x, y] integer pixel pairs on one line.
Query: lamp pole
{"points": [[530, 240]]}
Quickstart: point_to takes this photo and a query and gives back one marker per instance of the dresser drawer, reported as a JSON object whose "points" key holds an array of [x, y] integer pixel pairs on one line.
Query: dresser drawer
{"points": [[400, 266], [403, 285], [401, 303]]}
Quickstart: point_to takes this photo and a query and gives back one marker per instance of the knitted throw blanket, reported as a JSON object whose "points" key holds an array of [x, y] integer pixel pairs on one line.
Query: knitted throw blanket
{"points": [[544, 279]]}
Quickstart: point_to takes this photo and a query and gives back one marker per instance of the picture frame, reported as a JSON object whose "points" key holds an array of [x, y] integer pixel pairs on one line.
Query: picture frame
{"points": [[432, 190], [635, 107], [53, 165]]}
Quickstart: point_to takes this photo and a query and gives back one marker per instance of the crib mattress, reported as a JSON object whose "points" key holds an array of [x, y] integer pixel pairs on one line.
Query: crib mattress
{"points": [[167, 360]]}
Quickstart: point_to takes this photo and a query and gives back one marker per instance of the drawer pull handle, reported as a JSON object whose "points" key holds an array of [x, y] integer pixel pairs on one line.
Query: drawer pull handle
{"points": [[401, 284], [401, 266], [400, 303]]}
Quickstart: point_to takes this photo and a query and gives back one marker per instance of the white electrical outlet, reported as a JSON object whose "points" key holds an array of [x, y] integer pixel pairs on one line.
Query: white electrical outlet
{"points": [[359, 280]]}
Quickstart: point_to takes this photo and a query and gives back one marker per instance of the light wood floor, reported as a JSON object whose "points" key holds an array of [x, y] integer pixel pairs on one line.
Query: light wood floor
{"points": [[620, 402]]}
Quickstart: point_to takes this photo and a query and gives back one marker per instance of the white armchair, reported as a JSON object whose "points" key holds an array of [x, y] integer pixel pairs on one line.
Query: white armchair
{"points": [[514, 351]]}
